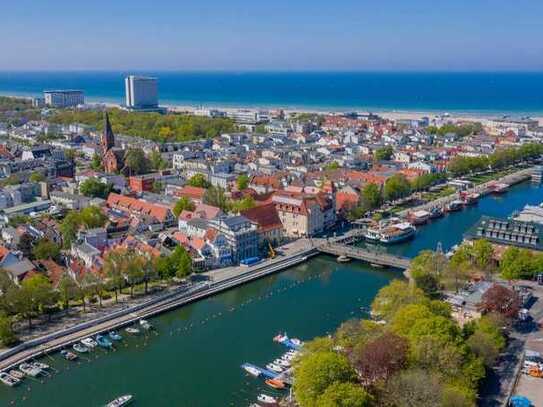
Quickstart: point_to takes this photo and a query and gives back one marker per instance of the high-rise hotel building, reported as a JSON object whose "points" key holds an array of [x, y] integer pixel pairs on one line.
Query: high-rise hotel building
{"points": [[63, 98], [141, 93]]}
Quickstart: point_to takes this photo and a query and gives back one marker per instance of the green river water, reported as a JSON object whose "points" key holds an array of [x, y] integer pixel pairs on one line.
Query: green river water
{"points": [[194, 357]]}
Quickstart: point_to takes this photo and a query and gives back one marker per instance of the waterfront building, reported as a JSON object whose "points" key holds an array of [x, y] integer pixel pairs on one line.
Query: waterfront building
{"points": [[141, 93], [158, 213], [269, 226], [508, 232], [241, 235], [64, 98]]}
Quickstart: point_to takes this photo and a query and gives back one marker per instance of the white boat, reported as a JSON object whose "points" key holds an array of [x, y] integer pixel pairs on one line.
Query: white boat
{"points": [[252, 371], [17, 374], [343, 259], [133, 331], [145, 324], [89, 343], [282, 363], [9, 380], [275, 368], [296, 341], [29, 370], [264, 398], [40, 365], [419, 217], [78, 347], [120, 401]]}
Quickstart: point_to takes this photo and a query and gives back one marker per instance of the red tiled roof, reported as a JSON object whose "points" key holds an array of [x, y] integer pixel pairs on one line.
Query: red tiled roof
{"points": [[138, 206], [265, 216], [192, 192]]}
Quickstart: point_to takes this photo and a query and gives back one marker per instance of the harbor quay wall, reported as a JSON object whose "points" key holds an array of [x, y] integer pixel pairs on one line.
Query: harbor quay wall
{"points": [[52, 342]]}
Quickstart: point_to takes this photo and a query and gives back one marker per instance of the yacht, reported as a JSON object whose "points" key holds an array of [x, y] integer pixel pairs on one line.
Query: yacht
{"points": [[253, 371], [29, 370], [391, 233], [89, 343], [120, 401], [264, 398]]}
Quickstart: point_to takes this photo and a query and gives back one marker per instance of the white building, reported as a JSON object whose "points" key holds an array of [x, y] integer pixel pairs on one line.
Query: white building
{"points": [[64, 98], [141, 92]]}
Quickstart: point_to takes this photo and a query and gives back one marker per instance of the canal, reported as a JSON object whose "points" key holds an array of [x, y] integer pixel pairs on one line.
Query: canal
{"points": [[194, 358]]}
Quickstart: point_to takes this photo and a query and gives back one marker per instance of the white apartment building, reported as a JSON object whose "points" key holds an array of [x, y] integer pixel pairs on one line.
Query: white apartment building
{"points": [[64, 98]]}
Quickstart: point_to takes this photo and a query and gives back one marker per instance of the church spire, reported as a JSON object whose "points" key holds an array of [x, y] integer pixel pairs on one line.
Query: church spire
{"points": [[108, 138]]}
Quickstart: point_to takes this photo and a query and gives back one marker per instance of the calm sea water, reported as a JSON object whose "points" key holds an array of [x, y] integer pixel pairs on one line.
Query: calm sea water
{"points": [[194, 359], [519, 93]]}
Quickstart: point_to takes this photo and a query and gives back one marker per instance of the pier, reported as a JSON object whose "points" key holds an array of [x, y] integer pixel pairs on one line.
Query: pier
{"points": [[358, 253]]}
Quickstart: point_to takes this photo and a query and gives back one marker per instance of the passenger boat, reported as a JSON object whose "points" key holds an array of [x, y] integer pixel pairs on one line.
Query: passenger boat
{"points": [[132, 331], [264, 398], [120, 401], [9, 380], [115, 336], [17, 374], [66, 354], [89, 343], [343, 259], [252, 371], [103, 342], [275, 383], [418, 217], [78, 347], [273, 367], [29, 370], [454, 206], [436, 212]]}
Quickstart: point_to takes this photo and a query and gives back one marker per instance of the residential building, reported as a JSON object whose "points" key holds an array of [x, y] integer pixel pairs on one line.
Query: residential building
{"points": [[64, 98], [240, 234]]}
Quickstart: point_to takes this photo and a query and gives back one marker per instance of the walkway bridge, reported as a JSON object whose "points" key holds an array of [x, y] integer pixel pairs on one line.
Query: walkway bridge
{"points": [[369, 256]]}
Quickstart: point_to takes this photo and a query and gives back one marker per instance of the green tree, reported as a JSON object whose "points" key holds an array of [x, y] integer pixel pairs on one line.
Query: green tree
{"points": [[136, 162], [241, 205], [68, 289], [413, 388], [199, 181], [46, 249], [7, 336], [35, 293], [334, 165], [393, 297], [370, 197], [92, 217], [37, 177], [483, 254], [69, 228], [426, 270], [215, 196], [183, 204], [96, 163], [115, 265], [315, 372], [26, 244], [397, 186], [156, 160], [94, 285], [242, 181], [344, 395], [518, 264], [181, 262], [94, 188], [384, 153]]}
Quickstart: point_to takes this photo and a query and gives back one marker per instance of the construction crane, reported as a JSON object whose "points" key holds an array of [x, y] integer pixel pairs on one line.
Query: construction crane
{"points": [[271, 251]]}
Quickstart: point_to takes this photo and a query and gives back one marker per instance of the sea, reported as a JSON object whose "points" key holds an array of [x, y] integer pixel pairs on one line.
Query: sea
{"points": [[477, 93]]}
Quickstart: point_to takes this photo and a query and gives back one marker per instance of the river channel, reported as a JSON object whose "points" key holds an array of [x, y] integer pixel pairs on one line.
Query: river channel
{"points": [[193, 359]]}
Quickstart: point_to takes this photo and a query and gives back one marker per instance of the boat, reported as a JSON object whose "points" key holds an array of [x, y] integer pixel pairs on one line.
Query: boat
{"points": [[17, 374], [132, 331], [275, 383], [115, 336], [391, 233], [343, 259], [103, 342], [280, 338], [253, 371], [296, 341], [471, 198], [275, 368], [40, 365], [264, 398], [9, 380], [89, 343], [78, 347], [454, 206], [120, 401], [499, 188], [66, 354], [282, 363], [436, 212], [145, 324], [29, 370], [418, 217]]}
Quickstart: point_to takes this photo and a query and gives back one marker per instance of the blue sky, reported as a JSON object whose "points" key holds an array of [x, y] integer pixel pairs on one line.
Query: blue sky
{"points": [[272, 35]]}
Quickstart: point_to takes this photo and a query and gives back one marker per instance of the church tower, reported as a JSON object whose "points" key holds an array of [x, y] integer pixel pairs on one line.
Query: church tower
{"points": [[108, 138]]}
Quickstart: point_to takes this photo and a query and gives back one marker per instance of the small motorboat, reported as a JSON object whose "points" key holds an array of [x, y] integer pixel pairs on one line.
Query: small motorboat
{"points": [[103, 342], [66, 354], [280, 338], [89, 343], [275, 383], [115, 336], [120, 401], [251, 370], [436, 212], [78, 347], [145, 324], [343, 259], [264, 398], [17, 374], [9, 380], [275, 368], [132, 331], [282, 362], [296, 341], [29, 369]]}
